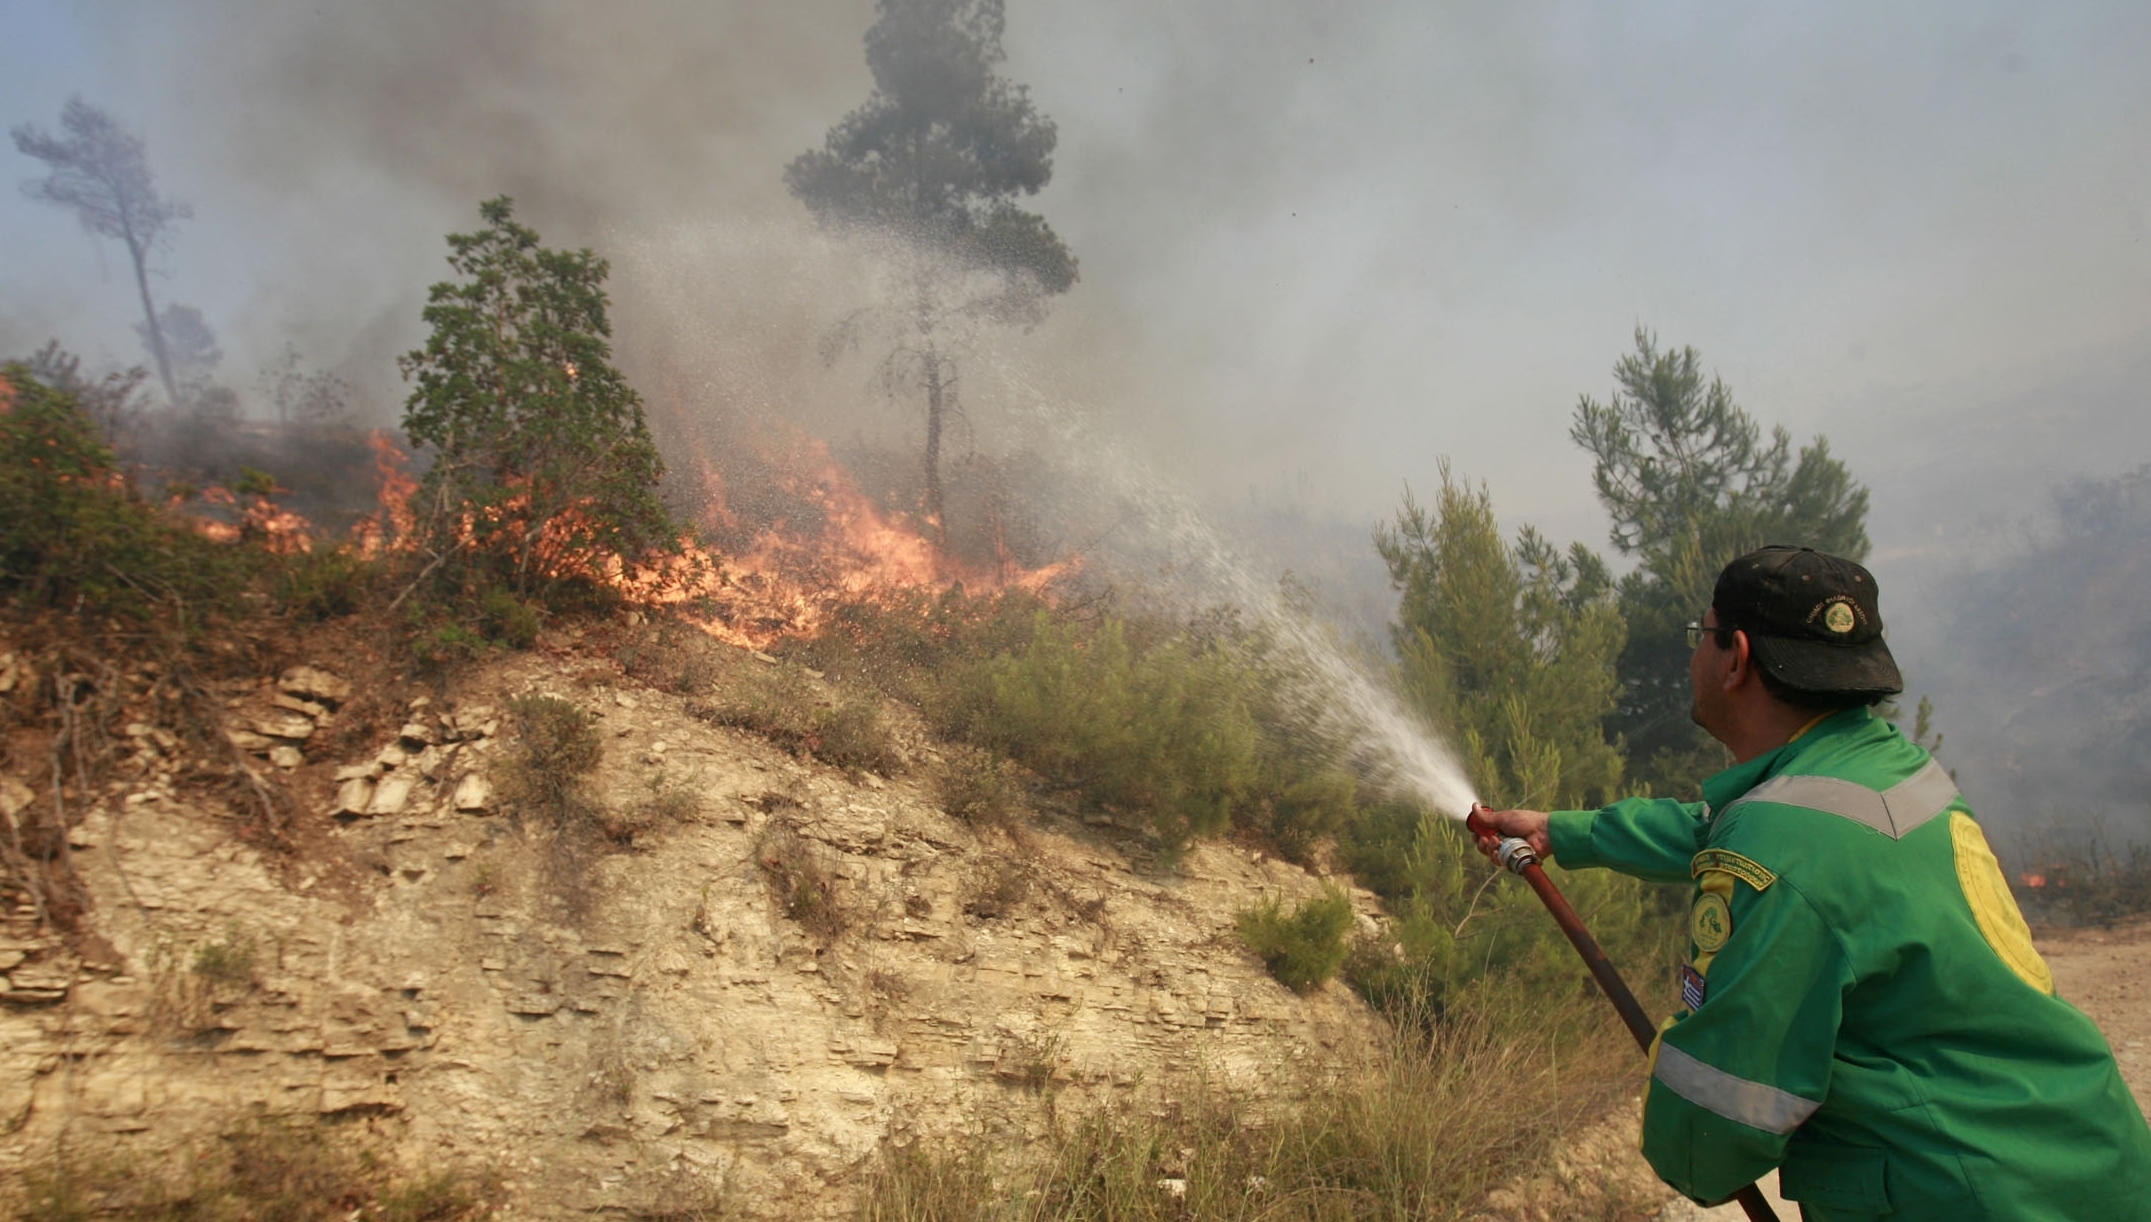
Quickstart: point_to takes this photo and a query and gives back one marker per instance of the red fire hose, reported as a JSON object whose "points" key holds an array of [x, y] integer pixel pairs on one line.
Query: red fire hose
{"points": [[1517, 857]]}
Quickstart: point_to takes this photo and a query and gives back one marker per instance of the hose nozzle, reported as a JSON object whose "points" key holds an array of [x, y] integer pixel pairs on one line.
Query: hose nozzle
{"points": [[1513, 852]]}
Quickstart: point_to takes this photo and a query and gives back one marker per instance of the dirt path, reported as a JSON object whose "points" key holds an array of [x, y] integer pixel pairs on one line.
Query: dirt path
{"points": [[2106, 973]]}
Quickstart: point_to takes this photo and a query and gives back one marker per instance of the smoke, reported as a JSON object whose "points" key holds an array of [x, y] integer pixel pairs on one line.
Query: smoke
{"points": [[1320, 247]]}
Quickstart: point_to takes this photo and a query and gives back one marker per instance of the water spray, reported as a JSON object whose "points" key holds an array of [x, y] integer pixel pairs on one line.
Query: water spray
{"points": [[1518, 857]]}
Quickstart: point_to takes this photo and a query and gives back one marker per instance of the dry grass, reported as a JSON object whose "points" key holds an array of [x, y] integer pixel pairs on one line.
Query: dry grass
{"points": [[783, 705], [976, 786], [800, 883], [1421, 1129], [286, 1171]]}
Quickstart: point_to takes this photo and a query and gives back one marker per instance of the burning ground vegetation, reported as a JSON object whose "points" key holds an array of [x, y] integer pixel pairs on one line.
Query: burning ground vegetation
{"points": [[281, 682]]}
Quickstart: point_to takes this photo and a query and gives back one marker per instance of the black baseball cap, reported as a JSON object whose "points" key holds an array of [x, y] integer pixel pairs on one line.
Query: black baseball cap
{"points": [[1811, 619]]}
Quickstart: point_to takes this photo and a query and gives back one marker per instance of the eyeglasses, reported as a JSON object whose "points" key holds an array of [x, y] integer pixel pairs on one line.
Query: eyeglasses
{"points": [[1721, 631]]}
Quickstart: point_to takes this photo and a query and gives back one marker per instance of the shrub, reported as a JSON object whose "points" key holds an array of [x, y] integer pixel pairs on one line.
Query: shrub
{"points": [[1460, 922], [72, 534], [800, 884], [997, 891], [543, 463], [322, 584], [974, 785], [779, 703], [556, 746], [507, 619], [1302, 947], [1422, 1125], [2082, 879], [1163, 733]]}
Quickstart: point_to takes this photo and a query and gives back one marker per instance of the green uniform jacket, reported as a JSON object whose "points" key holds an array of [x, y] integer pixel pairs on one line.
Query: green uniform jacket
{"points": [[1864, 1007]]}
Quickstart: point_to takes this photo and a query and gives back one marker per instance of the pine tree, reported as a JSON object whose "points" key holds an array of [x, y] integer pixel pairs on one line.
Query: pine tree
{"points": [[1690, 484], [935, 160]]}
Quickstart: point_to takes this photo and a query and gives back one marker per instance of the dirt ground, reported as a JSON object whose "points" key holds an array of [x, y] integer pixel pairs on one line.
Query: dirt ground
{"points": [[2106, 973]]}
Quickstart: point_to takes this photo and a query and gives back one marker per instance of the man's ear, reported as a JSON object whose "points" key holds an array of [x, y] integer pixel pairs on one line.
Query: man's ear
{"points": [[1743, 662]]}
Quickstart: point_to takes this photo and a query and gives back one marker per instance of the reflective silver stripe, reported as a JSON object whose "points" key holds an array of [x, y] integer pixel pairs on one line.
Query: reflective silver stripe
{"points": [[1893, 812], [1737, 1099]]}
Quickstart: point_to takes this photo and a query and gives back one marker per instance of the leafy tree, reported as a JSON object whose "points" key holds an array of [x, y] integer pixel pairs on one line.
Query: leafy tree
{"points": [[102, 172], [1512, 646], [1691, 483], [935, 160], [543, 460]]}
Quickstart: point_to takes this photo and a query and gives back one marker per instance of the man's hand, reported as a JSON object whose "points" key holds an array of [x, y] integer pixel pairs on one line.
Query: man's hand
{"points": [[1532, 825]]}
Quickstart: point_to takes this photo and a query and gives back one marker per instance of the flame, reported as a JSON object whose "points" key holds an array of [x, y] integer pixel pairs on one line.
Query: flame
{"points": [[2032, 878], [391, 523], [260, 519], [789, 584]]}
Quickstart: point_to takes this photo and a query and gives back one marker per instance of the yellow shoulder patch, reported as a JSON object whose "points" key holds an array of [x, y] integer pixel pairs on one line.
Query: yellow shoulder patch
{"points": [[1746, 869], [1993, 907]]}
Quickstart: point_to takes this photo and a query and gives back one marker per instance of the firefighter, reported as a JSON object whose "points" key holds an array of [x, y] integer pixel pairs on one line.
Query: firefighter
{"points": [[1862, 1007]]}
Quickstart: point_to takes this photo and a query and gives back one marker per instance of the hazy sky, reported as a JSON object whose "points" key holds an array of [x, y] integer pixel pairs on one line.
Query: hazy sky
{"points": [[1321, 245]]}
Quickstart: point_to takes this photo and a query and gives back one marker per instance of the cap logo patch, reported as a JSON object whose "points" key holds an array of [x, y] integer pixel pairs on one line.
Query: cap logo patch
{"points": [[1838, 614]]}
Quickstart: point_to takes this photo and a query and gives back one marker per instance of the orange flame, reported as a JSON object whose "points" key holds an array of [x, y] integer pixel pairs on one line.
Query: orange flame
{"points": [[786, 584], [390, 525]]}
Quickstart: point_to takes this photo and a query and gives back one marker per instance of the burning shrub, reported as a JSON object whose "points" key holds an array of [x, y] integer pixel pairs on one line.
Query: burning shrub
{"points": [[1303, 947], [544, 466], [2082, 879], [71, 532]]}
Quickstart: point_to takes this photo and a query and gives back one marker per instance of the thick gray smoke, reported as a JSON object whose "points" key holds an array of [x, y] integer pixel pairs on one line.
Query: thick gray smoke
{"points": [[1321, 248]]}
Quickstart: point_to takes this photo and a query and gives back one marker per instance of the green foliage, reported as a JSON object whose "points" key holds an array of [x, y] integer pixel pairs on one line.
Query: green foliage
{"points": [[1304, 946], [73, 535], [1163, 733], [227, 962], [543, 463], [975, 785], [507, 619], [942, 147], [254, 481], [935, 160], [1512, 649], [323, 584], [1458, 930], [1691, 484]]}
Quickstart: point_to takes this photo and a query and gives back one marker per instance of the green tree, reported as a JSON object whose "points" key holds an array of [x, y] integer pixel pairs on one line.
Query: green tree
{"points": [[102, 172], [935, 160], [543, 462], [1690, 483], [1512, 647]]}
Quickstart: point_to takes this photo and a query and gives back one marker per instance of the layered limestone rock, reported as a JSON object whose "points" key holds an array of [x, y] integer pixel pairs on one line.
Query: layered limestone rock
{"points": [[601, 1025]]}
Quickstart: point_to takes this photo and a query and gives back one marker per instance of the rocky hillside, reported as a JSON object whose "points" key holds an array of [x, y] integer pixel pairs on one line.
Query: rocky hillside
{"points": [[632, 1024]]}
